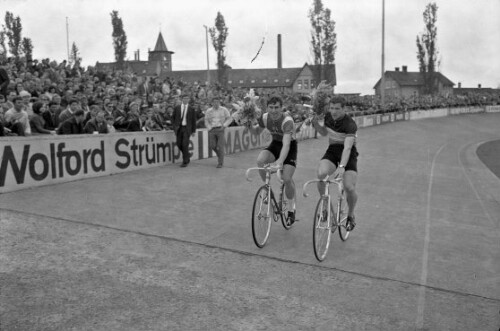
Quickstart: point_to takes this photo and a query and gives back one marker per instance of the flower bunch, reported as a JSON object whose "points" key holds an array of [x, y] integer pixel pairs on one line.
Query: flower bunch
{"points": [[321, 97], [249, 113]]}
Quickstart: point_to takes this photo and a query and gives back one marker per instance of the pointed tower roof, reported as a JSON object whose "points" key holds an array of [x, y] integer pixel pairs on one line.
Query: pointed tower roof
{"points": [[160, 45]]}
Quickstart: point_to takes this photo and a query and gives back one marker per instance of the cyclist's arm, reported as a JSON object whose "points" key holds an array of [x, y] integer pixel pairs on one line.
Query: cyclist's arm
{"points": [[318, 127], [287, 138], [346, 153]]}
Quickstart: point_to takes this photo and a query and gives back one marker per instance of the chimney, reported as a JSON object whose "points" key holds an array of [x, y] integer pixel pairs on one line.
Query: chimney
{"points": [[478, 85], [405, 69], [279, 51], [138, 55], [459, 85], [397, 68]]}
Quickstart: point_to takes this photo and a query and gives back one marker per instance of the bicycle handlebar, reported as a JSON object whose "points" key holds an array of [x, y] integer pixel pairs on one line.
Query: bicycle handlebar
{"points": [[268, 168], [337, 181]]}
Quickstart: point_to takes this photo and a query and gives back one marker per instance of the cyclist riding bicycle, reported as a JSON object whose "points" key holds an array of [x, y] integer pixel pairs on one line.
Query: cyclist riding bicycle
{"points": [[283, 148], [341, 156]]}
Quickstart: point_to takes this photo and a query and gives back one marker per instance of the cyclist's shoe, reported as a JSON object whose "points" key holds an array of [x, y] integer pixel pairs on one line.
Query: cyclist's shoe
{"points": [[291, 217], [350, 224]]}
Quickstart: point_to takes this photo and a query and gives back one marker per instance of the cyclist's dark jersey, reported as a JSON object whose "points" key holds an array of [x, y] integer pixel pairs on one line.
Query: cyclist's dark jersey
{"points": [[339, 130]]}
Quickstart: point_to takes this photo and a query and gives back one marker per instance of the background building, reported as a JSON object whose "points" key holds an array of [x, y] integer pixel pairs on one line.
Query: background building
{"points": [[300, 80], [408, 84]]}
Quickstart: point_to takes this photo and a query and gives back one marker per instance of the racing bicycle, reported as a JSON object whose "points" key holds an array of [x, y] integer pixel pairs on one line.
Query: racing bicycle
{"points": [[266, 207], [328, 219]]}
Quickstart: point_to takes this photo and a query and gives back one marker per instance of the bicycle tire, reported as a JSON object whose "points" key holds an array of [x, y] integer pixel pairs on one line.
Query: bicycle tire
{"points": [[284, 209], [342, 211], [261, 218], [321, 229]]}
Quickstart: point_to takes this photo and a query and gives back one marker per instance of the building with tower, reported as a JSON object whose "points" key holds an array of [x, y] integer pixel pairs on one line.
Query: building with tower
{"points": [[297, 80]]}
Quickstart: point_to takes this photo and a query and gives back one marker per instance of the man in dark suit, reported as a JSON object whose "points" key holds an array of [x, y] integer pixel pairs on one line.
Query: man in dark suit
{"points": [[184, 124], [73, 125]]}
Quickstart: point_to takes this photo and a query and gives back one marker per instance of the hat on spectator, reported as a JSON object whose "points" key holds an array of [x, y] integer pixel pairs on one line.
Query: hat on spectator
{"points": [[24, 93]]}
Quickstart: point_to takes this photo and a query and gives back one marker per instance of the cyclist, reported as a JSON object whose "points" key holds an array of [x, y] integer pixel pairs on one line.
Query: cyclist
{"points": [[283, 148], [341, 156]]}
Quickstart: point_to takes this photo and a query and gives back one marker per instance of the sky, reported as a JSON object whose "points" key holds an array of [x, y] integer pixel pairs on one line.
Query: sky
{"points": [[468, 34]]}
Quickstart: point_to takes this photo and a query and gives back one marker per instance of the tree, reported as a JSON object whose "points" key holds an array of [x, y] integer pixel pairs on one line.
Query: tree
{"points": [[427, 52], [74, 55], [13, 29], [3, 47], [219, 35], [27, 48], [119, 39], [323, 36]]}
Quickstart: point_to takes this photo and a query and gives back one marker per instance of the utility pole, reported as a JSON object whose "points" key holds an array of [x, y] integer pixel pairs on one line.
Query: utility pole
{"points": [[67, 37], [208, 61], [382, 81]]}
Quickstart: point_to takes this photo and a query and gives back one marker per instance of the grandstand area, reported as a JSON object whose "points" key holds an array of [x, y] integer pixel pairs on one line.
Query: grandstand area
{"points": [[167, 248]]}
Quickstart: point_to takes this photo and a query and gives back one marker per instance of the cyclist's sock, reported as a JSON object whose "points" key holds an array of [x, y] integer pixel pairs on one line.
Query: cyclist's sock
{"points": [[291, 203]]}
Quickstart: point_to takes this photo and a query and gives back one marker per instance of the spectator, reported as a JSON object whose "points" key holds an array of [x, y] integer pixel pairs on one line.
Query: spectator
{"points": [[97, 124], [134, 122], [4, 81], [110, 124], [70, 111], [73, 125], [37, 122], [16, 119], [51, 116]]}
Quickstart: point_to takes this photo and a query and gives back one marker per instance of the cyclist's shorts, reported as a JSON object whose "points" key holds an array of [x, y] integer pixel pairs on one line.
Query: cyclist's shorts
{"points": [[334, 155], [275, 149]]}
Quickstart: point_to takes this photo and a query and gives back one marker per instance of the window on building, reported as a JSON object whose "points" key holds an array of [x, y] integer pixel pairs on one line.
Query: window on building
{"points": [[253, 81], [230, 81], [264, 81], [287, 80], [306, 84], [275, 80], [299, 84], [241, 82]]}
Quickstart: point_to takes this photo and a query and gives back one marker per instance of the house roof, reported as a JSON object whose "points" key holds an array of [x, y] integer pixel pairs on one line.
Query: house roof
{"points": [[270, 77], [409, 78]]}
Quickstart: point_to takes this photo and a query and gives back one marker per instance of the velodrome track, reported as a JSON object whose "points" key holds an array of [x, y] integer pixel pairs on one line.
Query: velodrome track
{"points": [[171, 248]]}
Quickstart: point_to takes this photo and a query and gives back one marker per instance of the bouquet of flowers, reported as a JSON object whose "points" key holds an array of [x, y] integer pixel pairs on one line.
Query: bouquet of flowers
{"points": [[250, 112], [320, 97]]}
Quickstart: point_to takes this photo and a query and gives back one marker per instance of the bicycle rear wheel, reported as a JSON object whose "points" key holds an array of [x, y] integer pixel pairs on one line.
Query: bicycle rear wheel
{"points": [[262, 214], [321, 229], [342, 211]]}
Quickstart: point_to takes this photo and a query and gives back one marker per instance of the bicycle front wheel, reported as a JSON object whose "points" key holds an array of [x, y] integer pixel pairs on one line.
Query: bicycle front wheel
{"points": [[321, 229], [262, 214], [342, 210]]}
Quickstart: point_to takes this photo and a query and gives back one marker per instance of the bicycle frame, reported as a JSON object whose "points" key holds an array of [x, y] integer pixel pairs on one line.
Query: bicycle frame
{"points": [[270, 170]]}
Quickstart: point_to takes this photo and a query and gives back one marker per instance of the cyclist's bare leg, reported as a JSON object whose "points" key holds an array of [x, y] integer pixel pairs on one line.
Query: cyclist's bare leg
{"points": [[350, 178], [288, 172], [265, 157], [325, 167]]}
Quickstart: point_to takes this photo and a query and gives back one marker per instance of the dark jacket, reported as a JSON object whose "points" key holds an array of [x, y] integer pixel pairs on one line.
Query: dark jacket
{"points": [[190, 119], [91, 126], [70, 126]]}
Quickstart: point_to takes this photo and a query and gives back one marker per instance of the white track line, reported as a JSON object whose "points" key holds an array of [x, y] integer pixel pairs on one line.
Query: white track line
{"points": [[425, 256], [485, 211]]}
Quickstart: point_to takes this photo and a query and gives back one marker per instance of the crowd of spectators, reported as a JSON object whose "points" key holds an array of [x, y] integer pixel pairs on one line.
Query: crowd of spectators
{"points": [[47, 97]]}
